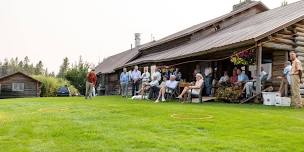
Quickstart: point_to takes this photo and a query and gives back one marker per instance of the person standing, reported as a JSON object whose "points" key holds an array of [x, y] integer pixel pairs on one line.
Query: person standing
{"points": [[124, 81], [157, 74], [90, 83], [145, 76], [208, 81], [296, 75], [135, 77], [285, 79], [178, 74]]}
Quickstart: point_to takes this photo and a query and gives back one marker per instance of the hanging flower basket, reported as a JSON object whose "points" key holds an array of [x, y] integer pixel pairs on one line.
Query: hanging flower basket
{"points": [[246, 57]]}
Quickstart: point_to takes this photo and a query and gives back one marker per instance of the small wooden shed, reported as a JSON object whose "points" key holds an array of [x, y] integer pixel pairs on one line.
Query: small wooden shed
{"points": [[19, 85]]}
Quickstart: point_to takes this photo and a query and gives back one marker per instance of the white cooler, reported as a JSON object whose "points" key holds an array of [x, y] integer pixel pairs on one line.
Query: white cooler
{"points": [[269, 98], [283, 101]]}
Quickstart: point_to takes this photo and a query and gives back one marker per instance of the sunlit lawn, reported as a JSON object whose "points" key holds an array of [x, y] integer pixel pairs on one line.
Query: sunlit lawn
{"points": [[118, 124]]}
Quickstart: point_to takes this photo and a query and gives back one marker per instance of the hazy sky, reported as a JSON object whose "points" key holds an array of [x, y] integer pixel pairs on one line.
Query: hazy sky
{"points": [[49, 30]]}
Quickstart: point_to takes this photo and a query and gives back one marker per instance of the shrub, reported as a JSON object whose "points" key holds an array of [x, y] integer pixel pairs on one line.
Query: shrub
{"points": [[229, 94], [50, 85]]}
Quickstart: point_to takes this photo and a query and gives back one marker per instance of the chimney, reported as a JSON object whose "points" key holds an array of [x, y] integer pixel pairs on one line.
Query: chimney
{"points": [[241, 4], [137, 39]]}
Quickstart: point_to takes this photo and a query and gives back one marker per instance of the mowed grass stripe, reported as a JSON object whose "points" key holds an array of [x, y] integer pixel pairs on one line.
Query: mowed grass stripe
{"points": [[117, 124]]}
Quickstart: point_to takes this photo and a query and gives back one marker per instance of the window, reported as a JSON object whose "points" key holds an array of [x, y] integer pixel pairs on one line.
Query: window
{"points": [[18, 86]]}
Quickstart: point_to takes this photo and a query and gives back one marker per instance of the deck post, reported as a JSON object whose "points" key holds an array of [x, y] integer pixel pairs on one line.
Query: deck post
{"points": [[258, 65], [286, 85]]}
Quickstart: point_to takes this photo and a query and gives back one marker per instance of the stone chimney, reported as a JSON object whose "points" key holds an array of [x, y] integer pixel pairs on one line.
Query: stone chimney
{"points": [[137, 39], [241, 4]]}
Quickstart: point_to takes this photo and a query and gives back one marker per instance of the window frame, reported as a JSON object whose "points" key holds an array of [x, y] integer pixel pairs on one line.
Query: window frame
{"points": [[18, 87]]}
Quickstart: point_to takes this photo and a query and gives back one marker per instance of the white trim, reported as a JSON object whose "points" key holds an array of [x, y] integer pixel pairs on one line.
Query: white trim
{"points": [[18, 87]]}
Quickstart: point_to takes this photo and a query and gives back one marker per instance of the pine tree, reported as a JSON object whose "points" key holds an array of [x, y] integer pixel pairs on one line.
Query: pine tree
{"points": [[63, 68], [26, 63], [38, 68]]}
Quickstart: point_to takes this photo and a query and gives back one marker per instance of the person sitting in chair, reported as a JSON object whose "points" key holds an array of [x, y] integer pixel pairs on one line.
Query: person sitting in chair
{"points": [[169, 86], [242, 77], [234, 77], [195, 88], [146, 85], [249, 85], [224, 80]]}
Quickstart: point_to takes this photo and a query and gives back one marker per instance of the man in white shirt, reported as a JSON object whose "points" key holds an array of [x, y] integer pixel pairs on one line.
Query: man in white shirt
{"points": [[145, 76], [249, 85], [170, 84], [285, 79], [157, 74]]}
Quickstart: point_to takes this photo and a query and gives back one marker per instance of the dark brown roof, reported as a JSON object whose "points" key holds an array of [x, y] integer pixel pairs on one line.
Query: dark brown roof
{"points": [[203, 25], [9, 75], [248, 31]]}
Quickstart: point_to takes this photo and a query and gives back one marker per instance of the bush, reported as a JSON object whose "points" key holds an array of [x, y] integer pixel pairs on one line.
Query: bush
{"points": [[50, 85], [229, 94]]}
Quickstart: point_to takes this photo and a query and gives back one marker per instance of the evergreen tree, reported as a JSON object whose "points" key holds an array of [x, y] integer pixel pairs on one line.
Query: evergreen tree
{"points": [[39, 68], [77, 75], [63, 68]]}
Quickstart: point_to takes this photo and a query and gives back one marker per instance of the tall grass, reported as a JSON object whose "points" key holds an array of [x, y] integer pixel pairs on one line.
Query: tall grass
{"points": [[50, 85]]}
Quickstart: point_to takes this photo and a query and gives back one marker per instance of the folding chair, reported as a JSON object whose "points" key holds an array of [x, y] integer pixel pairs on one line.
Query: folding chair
{"points": [[172, 93]]}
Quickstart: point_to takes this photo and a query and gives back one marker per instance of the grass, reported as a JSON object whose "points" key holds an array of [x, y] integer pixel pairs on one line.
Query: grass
{"points": [[117, 124]]}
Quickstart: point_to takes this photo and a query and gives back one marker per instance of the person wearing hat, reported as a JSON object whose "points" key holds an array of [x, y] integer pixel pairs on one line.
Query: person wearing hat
{"points": [[195, 88], [90, 83]]}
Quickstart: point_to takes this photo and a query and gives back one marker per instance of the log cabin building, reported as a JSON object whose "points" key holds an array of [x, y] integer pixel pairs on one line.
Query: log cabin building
{"points": [[272, 33], [19, 85]]}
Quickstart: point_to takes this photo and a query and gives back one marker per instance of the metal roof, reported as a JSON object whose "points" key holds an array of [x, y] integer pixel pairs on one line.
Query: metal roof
{"points": [[119, 60], [203, 25], [115, 61], [247, 31]]}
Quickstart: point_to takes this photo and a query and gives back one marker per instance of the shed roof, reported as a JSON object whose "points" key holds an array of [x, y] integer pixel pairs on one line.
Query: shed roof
{"points": [[247, 31], [9, 75]]}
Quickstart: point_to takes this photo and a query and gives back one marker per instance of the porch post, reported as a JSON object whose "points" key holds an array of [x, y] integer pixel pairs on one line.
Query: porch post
{"points": [[258, 65], [286, 85]]}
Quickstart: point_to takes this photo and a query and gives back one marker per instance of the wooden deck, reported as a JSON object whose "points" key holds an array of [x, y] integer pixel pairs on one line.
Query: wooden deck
{"points": [[205, 99]]}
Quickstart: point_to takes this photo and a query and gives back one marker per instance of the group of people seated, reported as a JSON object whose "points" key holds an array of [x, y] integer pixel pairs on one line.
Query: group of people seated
{"points": [[157, 88], [166, 82], [240, 79]]}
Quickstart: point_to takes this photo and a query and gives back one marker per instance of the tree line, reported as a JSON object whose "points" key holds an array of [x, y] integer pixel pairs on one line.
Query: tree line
{"points": [[8, 66], [74, 73]]}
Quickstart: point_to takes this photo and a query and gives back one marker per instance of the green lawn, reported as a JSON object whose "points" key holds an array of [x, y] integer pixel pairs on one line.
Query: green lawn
{"points": [[117, 124]]}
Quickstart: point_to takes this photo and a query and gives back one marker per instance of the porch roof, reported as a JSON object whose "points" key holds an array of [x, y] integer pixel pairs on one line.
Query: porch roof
{"points": [[246, 32]]}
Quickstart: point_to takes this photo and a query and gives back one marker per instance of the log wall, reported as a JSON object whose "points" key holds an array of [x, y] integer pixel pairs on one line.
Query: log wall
{"points": [[290, 38], [31, 87], [299, 40]]}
